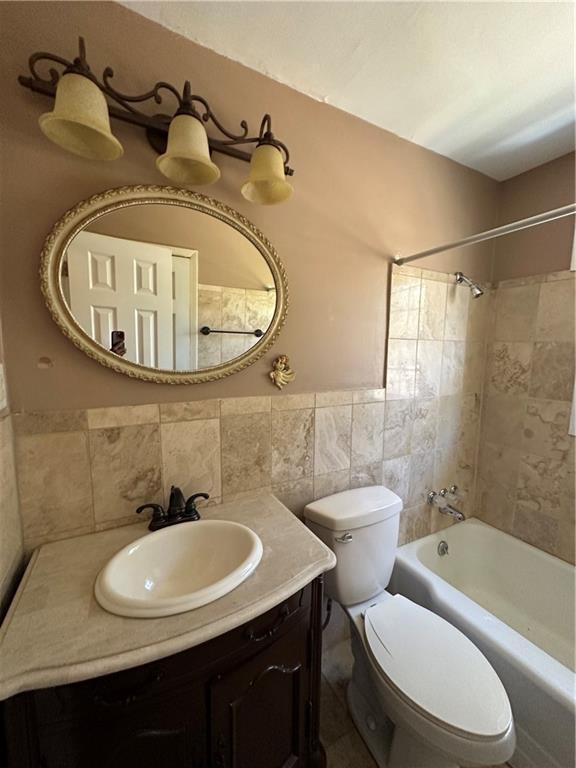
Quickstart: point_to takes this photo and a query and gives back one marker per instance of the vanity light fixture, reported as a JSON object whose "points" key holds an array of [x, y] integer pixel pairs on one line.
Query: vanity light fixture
{"points": [[80, 123]]}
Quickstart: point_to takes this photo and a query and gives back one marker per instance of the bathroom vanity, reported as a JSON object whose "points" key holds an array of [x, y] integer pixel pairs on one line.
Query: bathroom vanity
{"points": [[233, 683]]}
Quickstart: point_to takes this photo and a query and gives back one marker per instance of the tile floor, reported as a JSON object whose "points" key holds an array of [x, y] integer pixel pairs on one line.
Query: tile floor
{"points": [[343, 745]]}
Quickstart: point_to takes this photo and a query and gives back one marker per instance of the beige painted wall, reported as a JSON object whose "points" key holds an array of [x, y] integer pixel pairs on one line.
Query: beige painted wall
{"points": [[361, 194], [225, 257], [545, 248]]}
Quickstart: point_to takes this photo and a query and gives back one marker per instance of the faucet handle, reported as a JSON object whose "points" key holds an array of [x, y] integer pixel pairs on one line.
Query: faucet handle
{"points": [[191, 510], [158, 512]]}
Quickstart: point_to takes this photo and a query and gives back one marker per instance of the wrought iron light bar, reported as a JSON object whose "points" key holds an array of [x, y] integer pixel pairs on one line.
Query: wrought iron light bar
{"points": [[122, 107]]}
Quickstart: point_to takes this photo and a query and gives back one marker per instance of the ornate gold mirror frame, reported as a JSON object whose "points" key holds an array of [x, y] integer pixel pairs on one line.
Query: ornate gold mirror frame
{"points": [[86, 212]]}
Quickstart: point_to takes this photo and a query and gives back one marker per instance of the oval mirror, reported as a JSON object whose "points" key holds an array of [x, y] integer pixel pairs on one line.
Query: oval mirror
{"points": [[164, 284]]}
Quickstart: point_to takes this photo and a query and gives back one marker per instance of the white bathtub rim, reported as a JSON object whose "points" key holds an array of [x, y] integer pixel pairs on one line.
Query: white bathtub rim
{"points": [[551, 674]]}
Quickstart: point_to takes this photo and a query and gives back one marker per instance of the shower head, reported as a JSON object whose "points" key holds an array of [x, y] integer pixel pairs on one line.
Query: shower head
{"points": [[475, 289]]}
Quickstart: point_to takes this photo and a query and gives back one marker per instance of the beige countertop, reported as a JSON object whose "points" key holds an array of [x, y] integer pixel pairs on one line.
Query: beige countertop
{"points": [[55, 632]]}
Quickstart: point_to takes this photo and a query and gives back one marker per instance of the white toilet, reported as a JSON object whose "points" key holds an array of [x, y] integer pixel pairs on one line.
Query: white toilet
{"points": [[422, 695]]}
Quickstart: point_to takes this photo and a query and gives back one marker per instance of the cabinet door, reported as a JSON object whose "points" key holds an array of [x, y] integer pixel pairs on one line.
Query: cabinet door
{"points": [[258, 710], [168, 732]]}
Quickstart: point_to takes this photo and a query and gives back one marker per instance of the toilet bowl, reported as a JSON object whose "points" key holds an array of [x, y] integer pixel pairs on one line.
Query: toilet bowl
{"points": [[422, 695]]}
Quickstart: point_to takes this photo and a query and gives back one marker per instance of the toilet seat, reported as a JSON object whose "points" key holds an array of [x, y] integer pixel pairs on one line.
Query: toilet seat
{"points": [[436, 670]]}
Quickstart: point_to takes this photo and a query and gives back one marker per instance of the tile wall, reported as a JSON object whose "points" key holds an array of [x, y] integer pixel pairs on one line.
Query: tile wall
{"points": [[436, 359], [233, 309], [80, 471], [526, 465]]}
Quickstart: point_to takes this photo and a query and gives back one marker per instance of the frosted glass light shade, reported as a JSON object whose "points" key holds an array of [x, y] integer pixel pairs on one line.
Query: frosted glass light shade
{"points": [[80, 121], [267, 183], [187, 157]]}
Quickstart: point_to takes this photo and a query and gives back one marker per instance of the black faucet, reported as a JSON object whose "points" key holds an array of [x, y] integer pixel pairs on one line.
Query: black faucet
{"points": [[179, 510]]}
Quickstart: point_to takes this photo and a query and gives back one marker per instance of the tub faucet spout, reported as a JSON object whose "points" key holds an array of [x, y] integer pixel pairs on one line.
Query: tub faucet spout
{"points": [[439, 500]]}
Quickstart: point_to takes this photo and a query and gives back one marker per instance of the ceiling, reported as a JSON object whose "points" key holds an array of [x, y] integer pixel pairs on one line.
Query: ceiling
{"points": [[488, 84]]}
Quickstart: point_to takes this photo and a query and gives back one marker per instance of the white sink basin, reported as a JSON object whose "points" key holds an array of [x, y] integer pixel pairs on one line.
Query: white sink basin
{"points": [[177, 569]]}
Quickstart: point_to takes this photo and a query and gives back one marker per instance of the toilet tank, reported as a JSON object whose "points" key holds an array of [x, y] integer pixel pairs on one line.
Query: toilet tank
{"points": [[361, 527]]}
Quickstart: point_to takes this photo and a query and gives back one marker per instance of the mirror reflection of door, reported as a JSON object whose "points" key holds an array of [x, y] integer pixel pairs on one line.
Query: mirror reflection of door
{"points": [[147, 291], [167, 287]]}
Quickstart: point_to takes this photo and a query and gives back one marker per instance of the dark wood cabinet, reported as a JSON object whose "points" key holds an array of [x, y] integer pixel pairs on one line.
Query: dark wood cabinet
{"points": [[247, 699]]}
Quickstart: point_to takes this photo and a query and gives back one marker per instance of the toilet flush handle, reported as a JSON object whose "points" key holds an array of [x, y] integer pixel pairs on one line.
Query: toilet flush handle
{"points": [[346, 538]]}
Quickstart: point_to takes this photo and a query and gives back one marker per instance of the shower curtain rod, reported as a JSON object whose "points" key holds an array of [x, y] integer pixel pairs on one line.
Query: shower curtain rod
{"points": [[489, 234]]}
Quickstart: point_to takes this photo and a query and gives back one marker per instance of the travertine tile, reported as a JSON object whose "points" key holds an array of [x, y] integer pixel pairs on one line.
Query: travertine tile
{"points": [[191, 457], [126, 470], [246, 452], [565, 274], [455, 468], [516, 313], [293, 402], [404, 307], [421, 477], [369, 396], [566, 546], [333, 482], [552, 376], [406, 269], [337, 665], [425, 425], [370, 474], [42, 422], [349, 752], [398, 418], [238, 406], [54, 484], [367, 433], [495, 504], [545, 487], [432, 310], [474, 367], [545, 430], [396, 475], [210, 314], [440, 277], [337, 631], [499, 464], [503, 419], [188, 411], [414, 523], [458, 419], [453, 359], [457, 303], [400, 369], [509, 368], [556, 311], [292, 445], [122, 416], [335, 721], [428, 368], [332, 439], [340, 397], [295, 494], [535, 528], [480, 312]]}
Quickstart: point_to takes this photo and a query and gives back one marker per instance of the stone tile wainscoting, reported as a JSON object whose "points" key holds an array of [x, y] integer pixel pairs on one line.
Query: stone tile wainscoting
{"points": [[80, 471], [526, 463]]}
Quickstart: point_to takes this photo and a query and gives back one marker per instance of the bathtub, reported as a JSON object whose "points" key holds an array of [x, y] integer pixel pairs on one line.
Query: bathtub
{"points": [[517, 604]]}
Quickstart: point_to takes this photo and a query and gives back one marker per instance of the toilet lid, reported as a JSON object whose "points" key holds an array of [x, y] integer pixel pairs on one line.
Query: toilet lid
{"points": [[437, 669]]}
